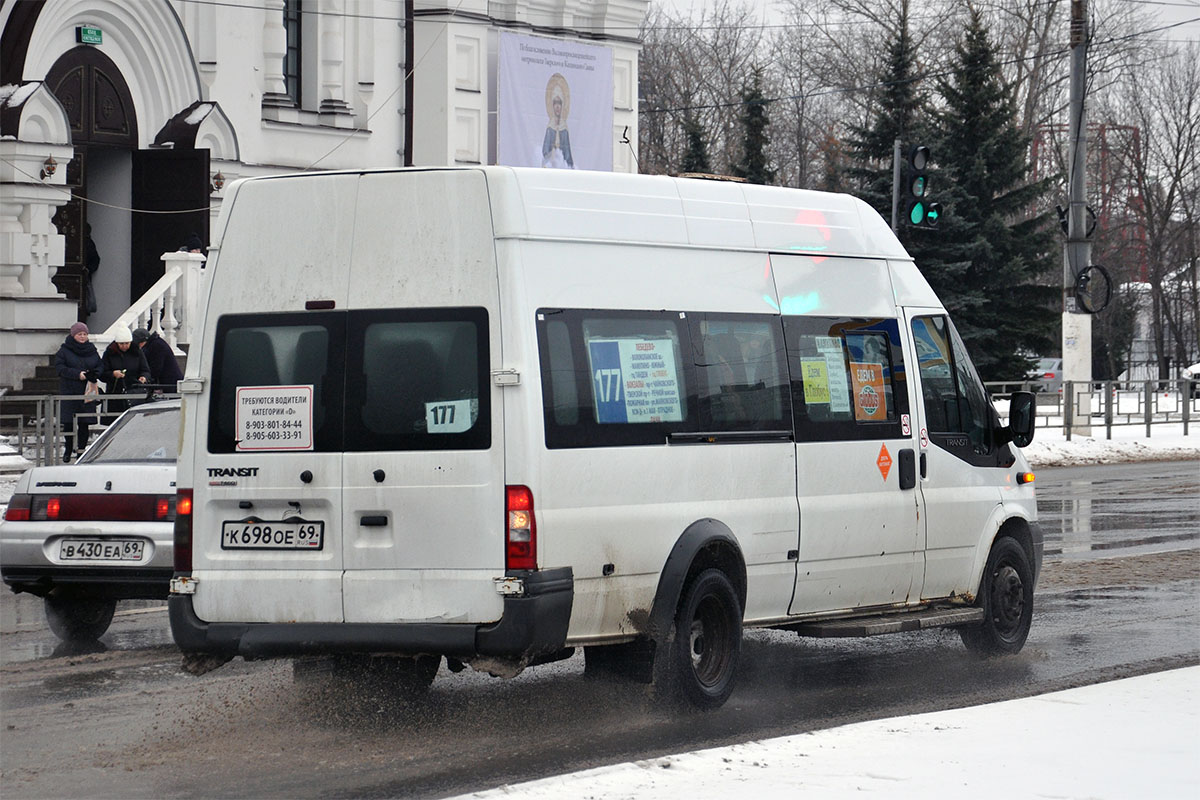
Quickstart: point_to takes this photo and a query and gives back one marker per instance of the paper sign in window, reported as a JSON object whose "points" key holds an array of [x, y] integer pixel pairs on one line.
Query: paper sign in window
{"points": [[870, 403], [448, 416], [274, 418], [816, 381], [634, 380], [830, 348]]}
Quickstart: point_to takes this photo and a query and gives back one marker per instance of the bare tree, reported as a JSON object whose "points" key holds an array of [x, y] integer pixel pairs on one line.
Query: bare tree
{"points": [[1163, 101]]}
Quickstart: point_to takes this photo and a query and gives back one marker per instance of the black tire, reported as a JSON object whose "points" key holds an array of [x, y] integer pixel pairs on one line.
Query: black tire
{"points": [[1006, 597], [702, 658], [78, 619]]}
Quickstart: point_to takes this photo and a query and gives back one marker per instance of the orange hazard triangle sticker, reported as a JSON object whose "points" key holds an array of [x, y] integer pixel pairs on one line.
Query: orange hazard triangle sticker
{"points": [[884, 462]]}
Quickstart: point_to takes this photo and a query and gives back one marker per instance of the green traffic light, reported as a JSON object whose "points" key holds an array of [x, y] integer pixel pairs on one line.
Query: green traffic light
{"points": [[916, 214], [933, 214]]}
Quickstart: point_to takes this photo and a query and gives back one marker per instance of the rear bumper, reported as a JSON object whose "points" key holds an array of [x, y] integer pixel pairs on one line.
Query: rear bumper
{"points": [[532, 625], [117, 583]]}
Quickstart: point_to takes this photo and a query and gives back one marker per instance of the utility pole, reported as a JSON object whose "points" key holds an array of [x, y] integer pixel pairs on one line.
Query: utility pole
{"points": [[1076, 323], [896, 186]]}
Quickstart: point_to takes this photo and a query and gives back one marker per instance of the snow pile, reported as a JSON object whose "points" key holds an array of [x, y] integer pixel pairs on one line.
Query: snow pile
{"points": [[1062, 745], [1050, 447]]}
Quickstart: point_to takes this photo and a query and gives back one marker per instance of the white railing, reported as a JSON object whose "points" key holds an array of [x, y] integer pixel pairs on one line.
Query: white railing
{"points": [[167, 308]]}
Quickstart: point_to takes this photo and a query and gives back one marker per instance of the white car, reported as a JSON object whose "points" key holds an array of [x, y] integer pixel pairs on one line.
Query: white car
{"points": [[86, 535], [1192, 374]]}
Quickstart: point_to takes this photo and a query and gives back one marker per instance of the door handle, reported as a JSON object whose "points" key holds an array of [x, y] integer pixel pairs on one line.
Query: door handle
{"points": [[908, 468], [922, 465], [373, 521]]}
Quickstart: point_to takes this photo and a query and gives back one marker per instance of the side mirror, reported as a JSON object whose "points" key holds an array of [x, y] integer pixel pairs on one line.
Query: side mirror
{"points": [[1022, 417]]}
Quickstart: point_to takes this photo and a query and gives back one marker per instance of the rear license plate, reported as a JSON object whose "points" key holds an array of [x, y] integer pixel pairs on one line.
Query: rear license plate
{"points": [[258, 535], [102, 550]]}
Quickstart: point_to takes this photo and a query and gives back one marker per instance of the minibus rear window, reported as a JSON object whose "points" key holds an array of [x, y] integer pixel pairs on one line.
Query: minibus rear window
{"points": [[262, 352], [420, 381]]}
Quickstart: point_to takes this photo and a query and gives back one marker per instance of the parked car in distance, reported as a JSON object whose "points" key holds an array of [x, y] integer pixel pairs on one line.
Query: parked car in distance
{"points": [[1047, 376], [1192, 374], [86, 535]]}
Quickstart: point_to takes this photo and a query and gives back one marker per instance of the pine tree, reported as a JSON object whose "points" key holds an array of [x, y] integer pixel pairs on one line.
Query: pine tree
{"points": [[696, 157], [753, 166], [990, 223], [898, 114]]}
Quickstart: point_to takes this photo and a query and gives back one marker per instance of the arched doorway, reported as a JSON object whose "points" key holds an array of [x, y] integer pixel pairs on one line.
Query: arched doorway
{"points": [[109, 177], [103, 123]]}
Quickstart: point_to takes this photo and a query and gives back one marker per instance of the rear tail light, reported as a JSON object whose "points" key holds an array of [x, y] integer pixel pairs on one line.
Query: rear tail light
{"points": [[18, 508], [521, 534], [183, 530], [91, 507], [164, 507]]}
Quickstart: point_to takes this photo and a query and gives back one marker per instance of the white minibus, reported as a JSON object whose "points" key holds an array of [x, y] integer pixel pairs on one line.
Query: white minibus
{"points": [[492, 415]]}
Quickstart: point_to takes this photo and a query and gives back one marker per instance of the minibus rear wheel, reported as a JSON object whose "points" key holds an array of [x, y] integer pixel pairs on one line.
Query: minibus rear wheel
{"points": [[703, 657], [78, 619], [1006, 596]]}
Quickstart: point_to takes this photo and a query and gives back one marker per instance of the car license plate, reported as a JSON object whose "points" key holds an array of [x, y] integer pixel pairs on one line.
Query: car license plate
{"points": [[260, 535], [102, 550]]}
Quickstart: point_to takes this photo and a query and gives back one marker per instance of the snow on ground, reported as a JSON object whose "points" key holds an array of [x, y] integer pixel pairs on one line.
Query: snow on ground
{"points": [[1050, 447], [1132, 738]]}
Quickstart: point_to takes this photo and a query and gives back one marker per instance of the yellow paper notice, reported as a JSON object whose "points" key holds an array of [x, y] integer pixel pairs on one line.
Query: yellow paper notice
{"points": [[816, 381]]}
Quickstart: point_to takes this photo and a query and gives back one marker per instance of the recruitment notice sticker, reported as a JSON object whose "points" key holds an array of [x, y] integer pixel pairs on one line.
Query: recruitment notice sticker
{"points": [[274, 418]]}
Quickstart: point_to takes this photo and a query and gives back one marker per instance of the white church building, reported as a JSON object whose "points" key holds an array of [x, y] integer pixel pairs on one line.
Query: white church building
{"points": [[122, 122]]}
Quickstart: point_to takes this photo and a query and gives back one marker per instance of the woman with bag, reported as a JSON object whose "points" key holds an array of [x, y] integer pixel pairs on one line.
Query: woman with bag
{"points": [[78, 366], [125, 367]]}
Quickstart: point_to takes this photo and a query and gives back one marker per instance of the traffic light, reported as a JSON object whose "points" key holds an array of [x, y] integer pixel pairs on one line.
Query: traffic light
{"points": [[921, 212]]}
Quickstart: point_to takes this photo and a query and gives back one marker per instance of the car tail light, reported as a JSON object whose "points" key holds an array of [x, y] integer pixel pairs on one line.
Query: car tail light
{"points": [[164, 507], [521, 535], [18, 508], [1048, 376], [183, 530]]}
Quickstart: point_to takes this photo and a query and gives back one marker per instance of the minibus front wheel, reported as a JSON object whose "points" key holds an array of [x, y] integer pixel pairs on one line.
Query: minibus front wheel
{"points": [[1006, 596], [703, 657]]}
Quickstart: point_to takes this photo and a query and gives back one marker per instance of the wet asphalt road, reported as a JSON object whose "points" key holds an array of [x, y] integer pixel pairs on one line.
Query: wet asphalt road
{"points": [[126, 722]]}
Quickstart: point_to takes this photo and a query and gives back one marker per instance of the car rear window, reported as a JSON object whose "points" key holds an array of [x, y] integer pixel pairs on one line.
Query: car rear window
{"points": [[141, 435]]}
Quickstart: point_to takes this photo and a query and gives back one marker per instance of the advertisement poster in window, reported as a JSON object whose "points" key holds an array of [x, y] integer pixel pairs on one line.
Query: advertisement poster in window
{"points": [[870, 403], [555, 106], [634, 380]]}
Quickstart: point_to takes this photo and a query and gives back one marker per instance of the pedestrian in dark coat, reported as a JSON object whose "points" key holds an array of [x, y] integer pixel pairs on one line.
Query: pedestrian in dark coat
{"points": [[164, 369], [125, 368], [78, 365]]}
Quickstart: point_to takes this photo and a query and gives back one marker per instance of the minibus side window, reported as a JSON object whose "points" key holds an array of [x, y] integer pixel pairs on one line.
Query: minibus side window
{"points": [[284, 350], [613, 378], [741, 373], [958, 413], [848, 378]]}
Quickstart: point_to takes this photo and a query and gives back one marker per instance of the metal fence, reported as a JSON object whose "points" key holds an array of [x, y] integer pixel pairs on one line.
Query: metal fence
{"points": [[1112, 404], [33, 424]]}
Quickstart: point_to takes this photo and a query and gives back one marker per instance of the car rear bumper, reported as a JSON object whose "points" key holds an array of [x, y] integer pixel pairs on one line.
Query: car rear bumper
{"points": [[116, 583], [532, 625]]}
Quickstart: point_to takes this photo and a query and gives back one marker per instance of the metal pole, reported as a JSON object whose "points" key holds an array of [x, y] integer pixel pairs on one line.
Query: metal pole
{"points": [[1077, 326], [896, 186]]}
